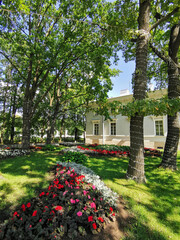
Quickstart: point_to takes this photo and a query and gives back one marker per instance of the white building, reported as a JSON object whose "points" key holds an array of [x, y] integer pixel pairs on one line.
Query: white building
{"points": [[117, 130]]}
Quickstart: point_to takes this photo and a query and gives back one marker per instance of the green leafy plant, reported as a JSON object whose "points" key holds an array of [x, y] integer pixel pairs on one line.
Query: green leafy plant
{"points": [[49, 147], [76, 157]]}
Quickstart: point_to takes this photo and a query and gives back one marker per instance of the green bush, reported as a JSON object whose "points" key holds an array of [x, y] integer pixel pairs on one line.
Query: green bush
{"points": [[68, 139], [50, 147], [76, 157]]}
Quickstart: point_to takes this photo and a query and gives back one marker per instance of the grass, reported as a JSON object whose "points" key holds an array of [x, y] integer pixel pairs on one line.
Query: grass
{"points": [[155, 206], [23, 176]]}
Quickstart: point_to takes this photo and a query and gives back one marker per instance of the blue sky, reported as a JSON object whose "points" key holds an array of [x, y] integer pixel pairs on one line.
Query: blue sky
{"points": [[123, 81]]}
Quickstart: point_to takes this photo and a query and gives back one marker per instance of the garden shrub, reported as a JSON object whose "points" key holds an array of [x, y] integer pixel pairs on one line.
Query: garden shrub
{"points": [[76, 157], [50, 147]]}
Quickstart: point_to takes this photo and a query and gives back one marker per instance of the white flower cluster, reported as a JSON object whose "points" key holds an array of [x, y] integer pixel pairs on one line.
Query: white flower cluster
{"points": [[4, 153], [75, 149], [93, 178]]}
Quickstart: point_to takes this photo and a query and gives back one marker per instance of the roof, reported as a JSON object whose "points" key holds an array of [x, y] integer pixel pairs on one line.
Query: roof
{"points": [[128, 98]]}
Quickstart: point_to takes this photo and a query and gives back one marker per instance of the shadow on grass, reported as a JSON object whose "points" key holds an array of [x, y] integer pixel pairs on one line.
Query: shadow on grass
{"points": [[23, 175], [108, 167], [163, 187]]}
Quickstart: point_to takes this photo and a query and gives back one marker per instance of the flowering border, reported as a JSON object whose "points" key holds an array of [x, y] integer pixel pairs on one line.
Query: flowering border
{"points": [[70, 205]]}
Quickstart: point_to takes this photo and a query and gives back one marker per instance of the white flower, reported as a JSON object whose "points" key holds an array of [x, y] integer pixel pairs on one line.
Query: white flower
{"points": [[93, 178]]}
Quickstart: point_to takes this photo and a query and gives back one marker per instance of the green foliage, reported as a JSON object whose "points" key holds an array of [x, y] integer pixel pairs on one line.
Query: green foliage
{"points": [[145, 107], [76, 157], [155, 205], [49, 147]]}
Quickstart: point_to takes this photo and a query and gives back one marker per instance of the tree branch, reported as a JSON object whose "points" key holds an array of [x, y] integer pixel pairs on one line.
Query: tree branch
{"points": [[12, 64], [164, 18], [161, 54]]}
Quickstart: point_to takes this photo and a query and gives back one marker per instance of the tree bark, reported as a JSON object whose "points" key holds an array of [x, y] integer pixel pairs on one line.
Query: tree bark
{"points": [[13, 114], [170, 152], [136, 163], [76, 136], [27, 108], [52, 123]]}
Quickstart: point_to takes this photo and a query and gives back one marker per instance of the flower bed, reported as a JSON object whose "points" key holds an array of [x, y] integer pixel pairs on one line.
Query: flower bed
{"points": [[35, 148], [102, 150], [71, 206], [7, 152], [106, 152]]}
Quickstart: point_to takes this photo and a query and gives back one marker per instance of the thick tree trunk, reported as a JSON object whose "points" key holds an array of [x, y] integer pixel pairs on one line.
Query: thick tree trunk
{"points": [[136, 163], [170, 152]]}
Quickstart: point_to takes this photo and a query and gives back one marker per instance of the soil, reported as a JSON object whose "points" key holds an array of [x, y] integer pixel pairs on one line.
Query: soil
{"points": [[113, 230]]}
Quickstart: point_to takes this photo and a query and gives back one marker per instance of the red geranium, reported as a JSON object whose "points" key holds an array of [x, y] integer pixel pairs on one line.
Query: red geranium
{"points": [[28, 205], [16, 214], [94, 226], [34, 213], [90, 218], [23, 207], [111, 209], [58, 208], [101, 219]]}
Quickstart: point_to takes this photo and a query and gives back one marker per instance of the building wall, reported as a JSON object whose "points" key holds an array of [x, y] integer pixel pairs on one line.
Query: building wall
{"points": [[122, 131]]}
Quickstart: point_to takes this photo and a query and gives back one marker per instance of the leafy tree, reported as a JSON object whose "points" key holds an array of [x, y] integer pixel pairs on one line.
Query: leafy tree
{"points": [[44, 40], [9, 100], [140, 78]]}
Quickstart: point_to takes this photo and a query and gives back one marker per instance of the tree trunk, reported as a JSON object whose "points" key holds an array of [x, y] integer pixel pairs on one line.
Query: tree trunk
{"points": [[13, 115], [136, 163], [170, 152], [48, 139], [76, 134], [27, 108], [50, 133], [61, 129], [52, 122]]}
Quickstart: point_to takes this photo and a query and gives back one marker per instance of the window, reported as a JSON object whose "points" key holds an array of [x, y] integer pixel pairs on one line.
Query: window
{"points": [[96, 128], [159, 128], [113, 128]]}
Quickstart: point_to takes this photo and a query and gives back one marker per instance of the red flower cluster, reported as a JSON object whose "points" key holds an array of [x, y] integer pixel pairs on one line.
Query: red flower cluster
{"points": [[63, 198], [35, 147], [148, 151], [106, 152]]}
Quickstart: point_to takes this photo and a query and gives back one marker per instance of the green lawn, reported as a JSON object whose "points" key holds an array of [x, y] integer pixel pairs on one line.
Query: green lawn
{"points": [[23, 176], [156, 205]]}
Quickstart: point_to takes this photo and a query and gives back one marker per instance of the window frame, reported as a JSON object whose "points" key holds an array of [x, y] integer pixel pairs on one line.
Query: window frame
{"points": [[114, 131], [159, 131], [96, 129]]}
